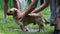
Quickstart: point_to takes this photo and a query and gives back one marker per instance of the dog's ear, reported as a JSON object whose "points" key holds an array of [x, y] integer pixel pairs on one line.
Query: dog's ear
{"points": [[15, 12]]}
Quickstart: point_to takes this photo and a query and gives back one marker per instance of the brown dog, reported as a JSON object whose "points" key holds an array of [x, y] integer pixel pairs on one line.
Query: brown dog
{"points": [[30, 18]]}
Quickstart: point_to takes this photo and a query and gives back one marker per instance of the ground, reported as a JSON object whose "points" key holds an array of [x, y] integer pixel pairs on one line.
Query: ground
{"points": [[5, 27]]}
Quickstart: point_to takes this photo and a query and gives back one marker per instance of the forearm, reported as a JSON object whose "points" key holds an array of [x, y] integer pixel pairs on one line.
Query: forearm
{"points": [[30, 8], [42, 7], [16, 4]]}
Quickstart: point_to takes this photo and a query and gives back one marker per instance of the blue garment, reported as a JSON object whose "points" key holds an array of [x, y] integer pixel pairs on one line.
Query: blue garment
{"points": [[53, 7]]}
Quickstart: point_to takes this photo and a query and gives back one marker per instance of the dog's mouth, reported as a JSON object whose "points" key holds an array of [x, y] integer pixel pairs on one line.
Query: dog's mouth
{"points": [[9, 14]]}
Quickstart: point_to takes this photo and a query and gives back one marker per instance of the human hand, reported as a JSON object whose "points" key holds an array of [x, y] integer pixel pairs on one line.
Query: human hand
{"points": [[20, 16]]}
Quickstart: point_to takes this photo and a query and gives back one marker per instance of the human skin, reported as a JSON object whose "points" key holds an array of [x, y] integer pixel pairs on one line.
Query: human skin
{"points": [[16, 5], [42, 7]]}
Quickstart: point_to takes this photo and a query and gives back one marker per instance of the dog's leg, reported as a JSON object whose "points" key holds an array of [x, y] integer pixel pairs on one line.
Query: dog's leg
{"points": [[22, 26], [41, 28], [46, 21]]}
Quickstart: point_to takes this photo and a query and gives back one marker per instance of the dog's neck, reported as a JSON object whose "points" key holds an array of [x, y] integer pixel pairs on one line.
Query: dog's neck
{"points": [[17, 15]]}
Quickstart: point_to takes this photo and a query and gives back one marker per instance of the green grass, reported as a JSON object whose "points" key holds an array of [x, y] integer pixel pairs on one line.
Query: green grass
{"points": [[11, 23]]}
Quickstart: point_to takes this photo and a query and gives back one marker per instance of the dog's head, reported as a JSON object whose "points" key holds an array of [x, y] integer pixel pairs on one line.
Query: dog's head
{"points": [[13, 11]]}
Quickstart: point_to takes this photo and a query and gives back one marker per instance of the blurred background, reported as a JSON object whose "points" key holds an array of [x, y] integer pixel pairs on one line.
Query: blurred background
{"points": [[10, 27]]}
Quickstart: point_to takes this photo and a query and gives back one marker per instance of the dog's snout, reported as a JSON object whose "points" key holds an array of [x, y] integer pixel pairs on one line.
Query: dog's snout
{"points": [[9, 14]]}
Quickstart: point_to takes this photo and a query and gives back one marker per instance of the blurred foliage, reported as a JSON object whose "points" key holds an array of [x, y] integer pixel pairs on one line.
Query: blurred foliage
{"points": [[10, 4]]}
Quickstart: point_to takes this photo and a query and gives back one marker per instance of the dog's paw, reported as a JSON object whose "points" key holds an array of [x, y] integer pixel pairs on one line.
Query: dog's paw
{"points": [[26, 30]]}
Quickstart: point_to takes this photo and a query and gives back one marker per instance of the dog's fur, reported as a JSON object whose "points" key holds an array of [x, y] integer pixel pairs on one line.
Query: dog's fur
{"points": [[30, 18]]}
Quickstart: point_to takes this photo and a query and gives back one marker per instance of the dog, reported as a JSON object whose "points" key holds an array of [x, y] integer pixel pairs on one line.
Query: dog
{"points": [[28, 19]]}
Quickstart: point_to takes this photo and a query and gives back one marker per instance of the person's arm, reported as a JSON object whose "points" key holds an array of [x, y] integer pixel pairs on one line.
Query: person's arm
{"points": [[16, 4], [31, 7], [43, 6]]}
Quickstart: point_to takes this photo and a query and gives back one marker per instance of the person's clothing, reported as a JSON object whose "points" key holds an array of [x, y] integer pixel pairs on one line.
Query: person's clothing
{"points": [[55, 13], [54, 9], [25, 3]]}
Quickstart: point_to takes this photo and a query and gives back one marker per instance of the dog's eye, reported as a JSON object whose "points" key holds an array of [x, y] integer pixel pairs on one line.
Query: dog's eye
{"points": [[10, 11]]}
